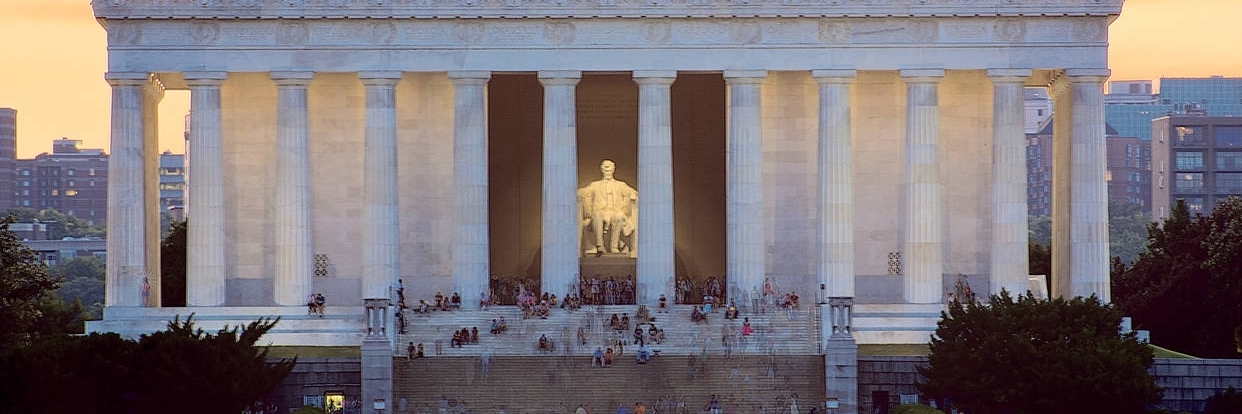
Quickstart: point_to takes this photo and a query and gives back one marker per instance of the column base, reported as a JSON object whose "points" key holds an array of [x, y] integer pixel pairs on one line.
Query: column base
{"points": [[841, 373]]}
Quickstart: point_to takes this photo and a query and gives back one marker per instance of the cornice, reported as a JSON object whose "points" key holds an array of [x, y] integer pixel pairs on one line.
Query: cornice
{"points": [[405, 9]]}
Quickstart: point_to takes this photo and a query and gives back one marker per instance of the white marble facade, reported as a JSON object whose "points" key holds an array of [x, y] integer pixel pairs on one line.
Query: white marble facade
{"points": [[856, 129]]}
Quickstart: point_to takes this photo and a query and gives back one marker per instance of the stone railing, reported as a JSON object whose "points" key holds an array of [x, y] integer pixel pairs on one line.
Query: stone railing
{"points": [[382, 9]]}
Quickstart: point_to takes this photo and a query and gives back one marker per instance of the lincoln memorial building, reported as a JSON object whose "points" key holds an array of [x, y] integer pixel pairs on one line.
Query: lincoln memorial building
{"points": [[867, 155]]}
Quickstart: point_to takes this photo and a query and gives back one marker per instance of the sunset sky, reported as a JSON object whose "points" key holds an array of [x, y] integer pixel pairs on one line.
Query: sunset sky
{"points": [[53, 56]]}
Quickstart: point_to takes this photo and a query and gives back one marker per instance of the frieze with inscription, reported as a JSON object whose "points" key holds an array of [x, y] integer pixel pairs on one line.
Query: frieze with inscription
{"points": [[382, 9], [302, 34]]}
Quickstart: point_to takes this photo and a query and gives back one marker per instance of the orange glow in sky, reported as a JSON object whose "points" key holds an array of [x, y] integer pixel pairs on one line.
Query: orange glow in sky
{"points": [[53, 56]]}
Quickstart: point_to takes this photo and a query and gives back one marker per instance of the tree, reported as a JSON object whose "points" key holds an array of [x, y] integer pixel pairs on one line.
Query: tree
{"points": [[1228, 402], [1035, 356], [83, 281], [1127, 229], [60, 225], [23, 279], [1184, 288], [172, 266], [181, 369]]}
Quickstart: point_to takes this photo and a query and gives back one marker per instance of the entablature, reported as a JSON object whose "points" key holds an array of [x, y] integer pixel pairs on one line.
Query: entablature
{"points": [[454, 9]]}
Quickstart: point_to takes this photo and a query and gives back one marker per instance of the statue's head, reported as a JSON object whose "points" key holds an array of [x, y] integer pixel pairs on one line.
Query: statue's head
{"points": [[608, 168]]}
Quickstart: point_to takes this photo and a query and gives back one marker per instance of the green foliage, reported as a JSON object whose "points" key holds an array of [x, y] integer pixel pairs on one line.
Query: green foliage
{"points": [[1039, 230], [59, 317], [1127, 230], [172, 266], [23, 280], [1032, 356], [1185, 287], [1039, 258], [1228, 402], [83, 281], [914, 409], [181, 369], [60, 225]]}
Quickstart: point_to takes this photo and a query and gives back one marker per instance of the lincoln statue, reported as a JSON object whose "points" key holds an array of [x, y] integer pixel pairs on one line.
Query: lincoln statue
{"points": [[608, 205]]}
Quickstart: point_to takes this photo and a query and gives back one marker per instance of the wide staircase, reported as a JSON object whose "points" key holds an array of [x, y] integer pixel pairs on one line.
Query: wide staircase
{"points": [[776, 332], [668, 384]]}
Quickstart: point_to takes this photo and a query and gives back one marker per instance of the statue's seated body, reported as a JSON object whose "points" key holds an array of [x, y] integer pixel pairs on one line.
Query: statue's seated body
{"points": [[608, 207]]}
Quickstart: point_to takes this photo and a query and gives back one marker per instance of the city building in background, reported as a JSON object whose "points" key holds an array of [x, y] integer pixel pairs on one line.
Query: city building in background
{"points": [[172, 185], [8, 154], [70, 179], [1128, 173], [1197, 159], [1130, 106]]}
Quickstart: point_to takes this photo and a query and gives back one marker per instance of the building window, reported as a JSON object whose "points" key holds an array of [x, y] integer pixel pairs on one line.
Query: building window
{"points": [[69, 172], [26, 183], [1191, 136], [1229, 160], [71, 193], [90, 172], [55, 193], [1189, 160], [1194, 204], [1189, 183], [1231, 182], [1229, 137]]}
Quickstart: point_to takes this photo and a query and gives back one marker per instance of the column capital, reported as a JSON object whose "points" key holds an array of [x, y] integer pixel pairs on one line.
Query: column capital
{"points": [[126, 78], [655, 77], [745, 76], [559, 77], [1009, 75], [469, 77], [292, 78], [380, 77], [205, 79], [831, 76], [922, 75], [1097, 75]]}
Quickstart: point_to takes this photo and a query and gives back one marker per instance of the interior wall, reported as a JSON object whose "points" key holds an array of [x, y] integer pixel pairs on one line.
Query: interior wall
{"points": [[607, 128], [699, 176]]}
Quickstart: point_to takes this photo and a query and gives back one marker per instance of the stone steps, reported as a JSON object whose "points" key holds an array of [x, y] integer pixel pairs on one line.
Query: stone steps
{"points": [[556, 384], [895, 323], [340, 325], [775, 332]]}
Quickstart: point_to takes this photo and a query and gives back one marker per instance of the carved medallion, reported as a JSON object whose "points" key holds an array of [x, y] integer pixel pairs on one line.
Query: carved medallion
{"points": [[204, 33], [1091, 30], [125, 34], [513, 3], [924, 31], [468, 32], [559, 33], [834, 31], [337, 3], [745, 31], [293, 3], [1009, 30], [658, 32], [247, 3], [292, 33], [381, 33], [206, 3]]}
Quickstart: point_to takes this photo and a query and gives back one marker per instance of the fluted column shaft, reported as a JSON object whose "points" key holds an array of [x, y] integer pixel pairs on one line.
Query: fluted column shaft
{"points": [[1009, 257], [744, 190], [294, 257], [1088, 225], [836, 184], [126, 260], [381, 218], [923, 247], [655, 265], [470, 241], [560, 181], [205, 204]]}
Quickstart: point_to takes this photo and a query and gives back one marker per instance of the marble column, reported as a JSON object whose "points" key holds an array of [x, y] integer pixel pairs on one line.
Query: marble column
{"points": [[559, 261], [1009, 258], [1088, 226], [294, 254], [381, 243], [923, 232], [127, 210], [205, 285], [152, 94], [836, 184], [471, 256], [655, 265], [744, 242]]}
